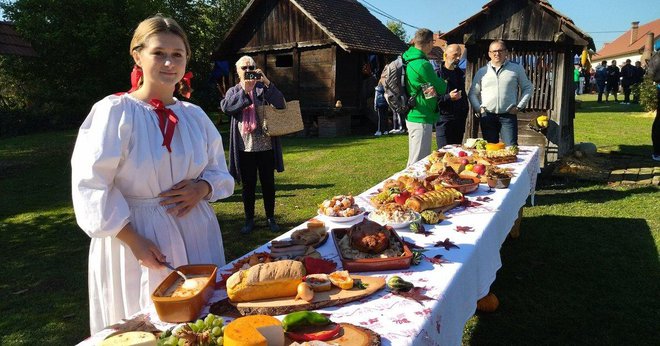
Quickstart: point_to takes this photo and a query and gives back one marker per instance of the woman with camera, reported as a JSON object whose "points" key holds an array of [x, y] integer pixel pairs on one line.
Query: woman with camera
{"points": [[251, 151]]}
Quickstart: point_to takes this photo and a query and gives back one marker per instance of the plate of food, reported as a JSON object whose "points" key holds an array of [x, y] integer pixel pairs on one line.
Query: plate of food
{"points": [[393, 215], [369, 246], [450, 179], [341, 208]]}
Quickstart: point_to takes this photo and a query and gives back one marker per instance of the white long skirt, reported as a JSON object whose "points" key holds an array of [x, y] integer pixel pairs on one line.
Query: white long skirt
{"points": [[119, 286]]}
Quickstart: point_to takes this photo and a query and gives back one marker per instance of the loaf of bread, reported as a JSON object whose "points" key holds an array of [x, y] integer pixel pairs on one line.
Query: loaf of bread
{"points": [[266, 280], [433, 199]]}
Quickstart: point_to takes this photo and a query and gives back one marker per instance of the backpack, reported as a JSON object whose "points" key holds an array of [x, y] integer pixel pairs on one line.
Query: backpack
{"points": [[394, 83], [653, 67]]}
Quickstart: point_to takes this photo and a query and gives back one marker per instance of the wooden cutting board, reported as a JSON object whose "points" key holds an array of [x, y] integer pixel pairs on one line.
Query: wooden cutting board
{"points": [[351, 335], [336, 296]]}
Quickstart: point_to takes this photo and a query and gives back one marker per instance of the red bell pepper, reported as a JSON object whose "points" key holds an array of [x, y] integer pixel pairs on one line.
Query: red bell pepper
{"points": [[320, 336]]}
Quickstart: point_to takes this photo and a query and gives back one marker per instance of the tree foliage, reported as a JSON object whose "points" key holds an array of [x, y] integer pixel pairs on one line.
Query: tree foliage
{"points": [[83, 49], [647, 94], [397, 29]]}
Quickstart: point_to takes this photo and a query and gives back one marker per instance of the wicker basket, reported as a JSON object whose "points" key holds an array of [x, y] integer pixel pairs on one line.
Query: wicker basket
{"points": [[279, 122]]}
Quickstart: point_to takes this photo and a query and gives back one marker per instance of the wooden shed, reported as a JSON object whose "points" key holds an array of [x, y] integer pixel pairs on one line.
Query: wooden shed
{"points": [[315, 51], [11, 43], [544, 42]]}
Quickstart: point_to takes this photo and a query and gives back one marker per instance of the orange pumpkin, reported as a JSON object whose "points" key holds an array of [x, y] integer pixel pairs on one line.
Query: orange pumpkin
{"points": [[488, 303], [495, 146]]}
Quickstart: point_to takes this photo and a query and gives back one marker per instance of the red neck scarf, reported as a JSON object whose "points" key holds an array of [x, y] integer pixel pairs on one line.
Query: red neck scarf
{"points": [[167, 120]]}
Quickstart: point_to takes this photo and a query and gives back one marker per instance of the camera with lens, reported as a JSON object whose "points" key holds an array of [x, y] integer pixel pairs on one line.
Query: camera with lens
{"points": [[252, 75]]}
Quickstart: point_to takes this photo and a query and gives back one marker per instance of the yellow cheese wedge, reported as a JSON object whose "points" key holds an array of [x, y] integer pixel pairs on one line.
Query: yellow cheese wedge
{"points": [[257, 330], [131, 339]]}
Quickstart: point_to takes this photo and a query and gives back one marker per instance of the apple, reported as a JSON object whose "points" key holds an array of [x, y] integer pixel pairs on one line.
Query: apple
{"points": [[402, 197], [420, 190], [465, 161], [469, 167], [462, 154], [479, 169]]}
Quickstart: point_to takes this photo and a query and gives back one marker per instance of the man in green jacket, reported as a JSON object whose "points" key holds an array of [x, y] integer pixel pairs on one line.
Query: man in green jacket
{"points": [[424, 114]]}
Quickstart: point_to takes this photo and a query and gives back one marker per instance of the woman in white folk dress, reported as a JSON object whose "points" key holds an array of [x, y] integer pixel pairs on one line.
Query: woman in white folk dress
{"points": [[144, 169]]}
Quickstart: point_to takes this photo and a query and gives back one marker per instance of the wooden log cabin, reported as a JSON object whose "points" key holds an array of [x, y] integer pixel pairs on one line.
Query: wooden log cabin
{"points": [[315, 51], [544, 42]]}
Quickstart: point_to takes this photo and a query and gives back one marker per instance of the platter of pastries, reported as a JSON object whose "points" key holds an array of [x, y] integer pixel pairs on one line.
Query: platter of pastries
{"points": [[341, 208]]}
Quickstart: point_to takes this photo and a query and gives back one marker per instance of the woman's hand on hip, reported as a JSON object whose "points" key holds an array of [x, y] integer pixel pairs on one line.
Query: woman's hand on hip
{"points": [[183, 196], [146, 252]]}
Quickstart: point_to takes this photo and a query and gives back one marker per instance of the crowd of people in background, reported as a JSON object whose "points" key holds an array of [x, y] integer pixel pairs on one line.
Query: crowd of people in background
{"points": [[610, 80]]}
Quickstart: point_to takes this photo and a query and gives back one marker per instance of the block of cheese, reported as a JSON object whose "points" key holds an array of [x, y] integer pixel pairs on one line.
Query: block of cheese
{"points": [[265, 280], [257, 330], [131, 339]]}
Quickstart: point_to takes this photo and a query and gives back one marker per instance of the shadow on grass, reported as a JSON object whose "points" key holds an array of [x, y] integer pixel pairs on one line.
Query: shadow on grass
{"points": [[592, 106], [549, 196], [576, 281], [637, 155], [43, 298]]}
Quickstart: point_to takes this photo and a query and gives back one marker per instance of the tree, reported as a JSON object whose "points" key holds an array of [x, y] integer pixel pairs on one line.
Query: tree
{"points": [[83, 49], [398, 30]]}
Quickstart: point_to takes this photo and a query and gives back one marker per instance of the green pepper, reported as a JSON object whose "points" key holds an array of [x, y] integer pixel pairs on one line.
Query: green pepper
{"points": [[303, 318]]}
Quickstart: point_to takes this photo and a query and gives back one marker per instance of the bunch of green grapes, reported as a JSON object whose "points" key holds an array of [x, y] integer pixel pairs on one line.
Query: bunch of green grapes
{"points": [[206, 332]]}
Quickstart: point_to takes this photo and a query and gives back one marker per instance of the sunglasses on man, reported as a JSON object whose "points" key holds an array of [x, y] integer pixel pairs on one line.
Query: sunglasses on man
{"points": [[248, 67]]}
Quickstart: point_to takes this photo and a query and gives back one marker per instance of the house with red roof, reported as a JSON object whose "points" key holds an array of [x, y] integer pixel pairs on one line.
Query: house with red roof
{"points": [[631, 44]]}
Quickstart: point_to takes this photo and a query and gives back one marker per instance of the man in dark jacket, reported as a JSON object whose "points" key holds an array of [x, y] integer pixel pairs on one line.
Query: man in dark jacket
{"points": [[613, 75], [638, 79], [453, 105], [601, 79], [627, 80]]}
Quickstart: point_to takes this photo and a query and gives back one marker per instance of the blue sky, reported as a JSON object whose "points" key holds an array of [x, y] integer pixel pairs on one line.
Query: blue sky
{"points": [[604, 20], [593, 16]]}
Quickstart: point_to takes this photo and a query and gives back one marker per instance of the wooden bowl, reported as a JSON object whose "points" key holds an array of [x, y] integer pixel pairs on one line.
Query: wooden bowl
{"points": [[186, 309], [498, 183], [372, 264], [466, 188]]}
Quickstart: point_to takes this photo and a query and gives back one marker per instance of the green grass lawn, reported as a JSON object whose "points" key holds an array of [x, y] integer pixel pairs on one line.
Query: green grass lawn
{"points": [[586, 269]]}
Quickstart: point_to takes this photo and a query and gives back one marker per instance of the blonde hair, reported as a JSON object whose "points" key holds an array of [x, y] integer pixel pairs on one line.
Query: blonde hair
{"points": [[156, 25]]}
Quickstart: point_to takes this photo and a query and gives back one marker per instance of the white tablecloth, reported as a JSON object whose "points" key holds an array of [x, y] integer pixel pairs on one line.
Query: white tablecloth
{"points": [[455, 285]]}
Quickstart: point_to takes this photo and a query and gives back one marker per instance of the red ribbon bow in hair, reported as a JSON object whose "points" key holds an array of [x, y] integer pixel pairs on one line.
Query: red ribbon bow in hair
{"points": [[136, 75], [186, 80], [166, 121]]}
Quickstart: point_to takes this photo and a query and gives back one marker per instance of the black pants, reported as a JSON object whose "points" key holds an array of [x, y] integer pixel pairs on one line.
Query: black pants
{"points": [[250, 163], [382, 119], [449, 130], [612, 88], [655, 130], [626, 92]]}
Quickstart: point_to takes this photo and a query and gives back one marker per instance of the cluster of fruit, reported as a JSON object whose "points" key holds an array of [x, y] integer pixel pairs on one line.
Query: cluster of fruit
{"points": [[206, 332], [399, 190]]}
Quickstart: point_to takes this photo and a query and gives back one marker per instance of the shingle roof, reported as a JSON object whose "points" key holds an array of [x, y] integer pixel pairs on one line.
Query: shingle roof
{"points": [[348, 23], [12, 44], [567, 24], [622, 46], [351, 25]]}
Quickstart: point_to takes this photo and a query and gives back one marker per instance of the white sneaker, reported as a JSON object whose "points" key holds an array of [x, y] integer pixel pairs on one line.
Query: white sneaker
{"points": [[378, 133], [656, 157], [385, 132]]}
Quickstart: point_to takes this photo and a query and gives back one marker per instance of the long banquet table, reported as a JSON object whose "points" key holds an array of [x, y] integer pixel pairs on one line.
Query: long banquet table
{"points": [[454, 285]]}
